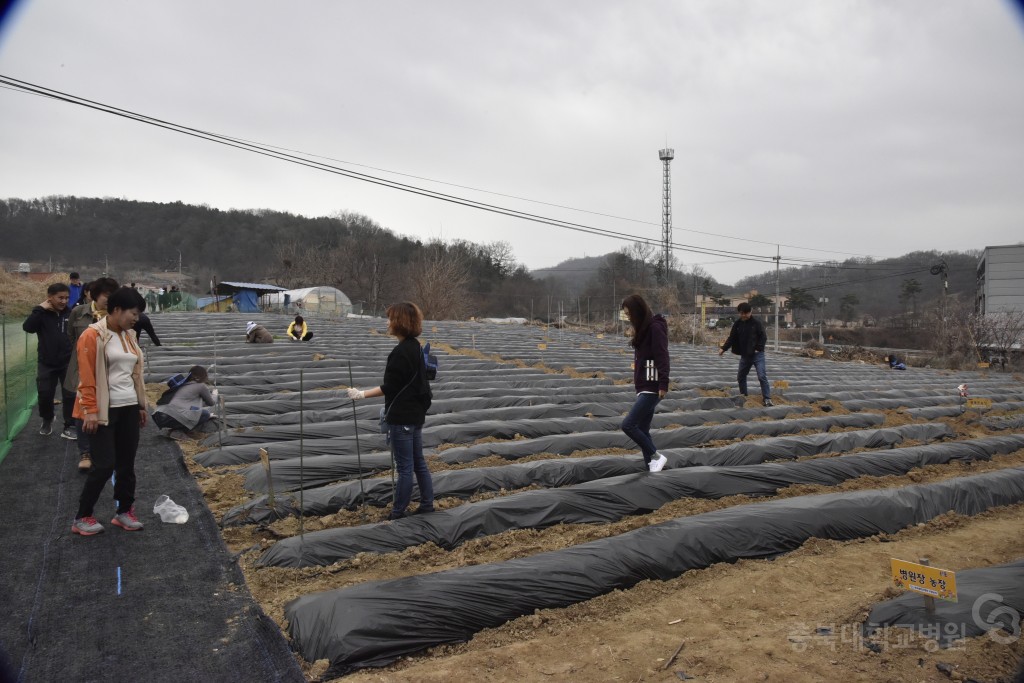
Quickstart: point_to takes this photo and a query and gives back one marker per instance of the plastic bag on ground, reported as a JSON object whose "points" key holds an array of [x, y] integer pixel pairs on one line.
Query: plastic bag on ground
{"points": [[169, 511]]}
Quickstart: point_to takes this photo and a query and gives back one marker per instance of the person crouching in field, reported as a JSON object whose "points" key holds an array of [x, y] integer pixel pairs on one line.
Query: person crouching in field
{"points": [[298, 330], [111, 403], [650, 375], [185, 408], [257, 334]]}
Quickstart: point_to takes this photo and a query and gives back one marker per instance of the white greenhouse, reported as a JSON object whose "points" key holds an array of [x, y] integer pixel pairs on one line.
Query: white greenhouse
{"points": [[328, 301]]}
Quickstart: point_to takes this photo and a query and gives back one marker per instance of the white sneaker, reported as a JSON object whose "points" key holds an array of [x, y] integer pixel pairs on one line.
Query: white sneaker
{"points": [[658, 463]]}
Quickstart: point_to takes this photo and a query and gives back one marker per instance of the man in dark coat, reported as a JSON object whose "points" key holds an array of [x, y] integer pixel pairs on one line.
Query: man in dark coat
{"points": [[49, 322], [747, 340]]}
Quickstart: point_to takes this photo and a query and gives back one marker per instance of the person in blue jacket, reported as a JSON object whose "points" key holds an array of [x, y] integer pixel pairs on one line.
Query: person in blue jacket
{"points": [[650, 375]]}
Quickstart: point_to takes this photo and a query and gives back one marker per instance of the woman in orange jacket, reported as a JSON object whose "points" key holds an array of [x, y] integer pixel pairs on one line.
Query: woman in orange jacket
{"points": [[111, 403]]}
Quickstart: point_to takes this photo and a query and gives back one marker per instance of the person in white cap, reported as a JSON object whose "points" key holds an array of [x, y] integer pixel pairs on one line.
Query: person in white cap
{"points": [[257, 334]]}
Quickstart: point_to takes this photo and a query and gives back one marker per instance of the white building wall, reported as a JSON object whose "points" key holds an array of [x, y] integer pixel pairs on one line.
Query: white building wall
{"points": [[1001, 279]]}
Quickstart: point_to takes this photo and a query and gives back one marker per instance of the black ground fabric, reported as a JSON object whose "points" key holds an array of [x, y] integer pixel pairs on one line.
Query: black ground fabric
{"points": [[167, 603], [665, 438], [324, 500], [524, 429], [990, 601], [373, 624], [319, 439], [612, 498]]}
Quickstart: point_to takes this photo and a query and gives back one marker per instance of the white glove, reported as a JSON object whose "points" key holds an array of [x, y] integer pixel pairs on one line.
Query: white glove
{"points": [[356, 394]]}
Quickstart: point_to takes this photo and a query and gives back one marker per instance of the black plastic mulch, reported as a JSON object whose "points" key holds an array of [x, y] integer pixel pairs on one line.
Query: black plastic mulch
{"points": [[164, 604]]}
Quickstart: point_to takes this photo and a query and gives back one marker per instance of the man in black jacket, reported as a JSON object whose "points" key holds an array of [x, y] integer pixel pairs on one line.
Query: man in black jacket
{"points": [[49, 322], [747, 339]]}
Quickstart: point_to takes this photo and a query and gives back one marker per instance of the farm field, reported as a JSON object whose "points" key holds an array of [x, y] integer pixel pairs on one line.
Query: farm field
{"points": [[554, 555]]}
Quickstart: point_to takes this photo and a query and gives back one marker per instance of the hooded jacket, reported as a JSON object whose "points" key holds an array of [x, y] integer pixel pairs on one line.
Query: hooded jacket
{"points": [[52, 329], [259, 335], [650, 358], [93, 385]]}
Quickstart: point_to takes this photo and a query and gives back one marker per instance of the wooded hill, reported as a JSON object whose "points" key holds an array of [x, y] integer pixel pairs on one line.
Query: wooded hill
{"points": [[374, 266]]}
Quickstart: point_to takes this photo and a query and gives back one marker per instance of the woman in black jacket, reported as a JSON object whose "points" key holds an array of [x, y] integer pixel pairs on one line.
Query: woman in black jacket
{"points": [[407, 396], [650, 375]]}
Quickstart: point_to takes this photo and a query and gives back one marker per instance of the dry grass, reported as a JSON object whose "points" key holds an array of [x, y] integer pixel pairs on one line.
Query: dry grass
{"points": [[18, 294]]}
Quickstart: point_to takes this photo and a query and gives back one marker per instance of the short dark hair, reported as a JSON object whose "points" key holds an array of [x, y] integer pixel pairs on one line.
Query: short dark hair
{"points": [[299, 320], [57, 288], [126, 298], [198, 373], [73, 276], [102, 285], [405, 319], [744, 307]]}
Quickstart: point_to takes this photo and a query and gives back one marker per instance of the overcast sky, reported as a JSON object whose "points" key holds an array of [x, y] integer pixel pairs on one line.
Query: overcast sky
{"points": [[832, 128]]}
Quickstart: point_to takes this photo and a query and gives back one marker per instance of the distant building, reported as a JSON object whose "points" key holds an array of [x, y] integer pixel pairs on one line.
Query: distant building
{"points": [[1001, 279]]}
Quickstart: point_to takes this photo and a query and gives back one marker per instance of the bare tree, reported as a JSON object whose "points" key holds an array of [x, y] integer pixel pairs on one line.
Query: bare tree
{"points": [[438, 280], [641, 253], [297, 264], [1001, 335], [501, 256]]}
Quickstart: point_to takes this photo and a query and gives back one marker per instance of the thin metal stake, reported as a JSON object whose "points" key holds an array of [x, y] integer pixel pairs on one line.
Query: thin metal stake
{"points": [[302, 461], [359, 455], [7, 400]]}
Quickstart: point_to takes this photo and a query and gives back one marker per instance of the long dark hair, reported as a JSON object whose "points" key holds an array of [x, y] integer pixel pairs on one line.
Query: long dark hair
{"points": [[640, 317]]}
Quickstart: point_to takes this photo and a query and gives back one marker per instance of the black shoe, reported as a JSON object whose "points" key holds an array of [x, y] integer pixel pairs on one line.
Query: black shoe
{"points": [[768, 403], [46, 428], [423, 511], [69, 434], [392, 516]]}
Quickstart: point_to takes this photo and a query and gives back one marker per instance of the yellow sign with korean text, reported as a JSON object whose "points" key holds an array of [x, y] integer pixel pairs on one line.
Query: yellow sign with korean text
{"points": [[600, 335], [919, 578], [819, 352], [979, 403], [982, 366], [542, 346], [780, 384]]}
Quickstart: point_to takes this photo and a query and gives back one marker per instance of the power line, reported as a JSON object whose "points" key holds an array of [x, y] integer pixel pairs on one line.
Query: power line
{"points": [[237, 143]]}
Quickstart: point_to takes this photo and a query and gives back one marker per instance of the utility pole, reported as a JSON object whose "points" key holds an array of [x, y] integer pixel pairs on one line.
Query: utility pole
{"points": [[778, 260], [179, 264], [822, 300]]}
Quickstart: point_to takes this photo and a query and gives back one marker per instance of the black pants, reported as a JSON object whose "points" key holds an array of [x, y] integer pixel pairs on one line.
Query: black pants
{"points": [[113, 448], [48, 378]]}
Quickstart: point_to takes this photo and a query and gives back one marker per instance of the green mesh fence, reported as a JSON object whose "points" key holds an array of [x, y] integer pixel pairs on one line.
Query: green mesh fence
{"points": [[18, 354]]}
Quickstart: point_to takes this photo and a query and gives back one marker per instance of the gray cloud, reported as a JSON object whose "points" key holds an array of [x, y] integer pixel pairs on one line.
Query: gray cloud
{"points": [[863, 128]]}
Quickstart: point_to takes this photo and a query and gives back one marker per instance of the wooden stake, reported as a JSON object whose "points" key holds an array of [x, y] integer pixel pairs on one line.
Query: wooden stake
{"points": [[265, 459], [674, 655], [929, 601]]}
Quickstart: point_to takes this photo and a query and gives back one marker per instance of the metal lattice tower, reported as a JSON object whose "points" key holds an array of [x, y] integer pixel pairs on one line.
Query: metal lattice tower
{"points": [[666, 156]]}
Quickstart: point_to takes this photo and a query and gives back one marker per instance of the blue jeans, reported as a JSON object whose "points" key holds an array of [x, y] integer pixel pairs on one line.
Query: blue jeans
{"points": [[637, 424], [757, 362], [407, 447]]}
